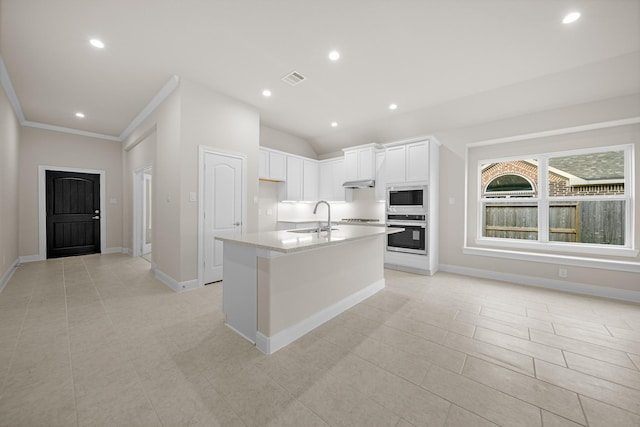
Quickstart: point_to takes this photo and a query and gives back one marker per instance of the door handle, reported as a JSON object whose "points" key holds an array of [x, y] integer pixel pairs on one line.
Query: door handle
{"points": [[237, 224], [95, 217]]}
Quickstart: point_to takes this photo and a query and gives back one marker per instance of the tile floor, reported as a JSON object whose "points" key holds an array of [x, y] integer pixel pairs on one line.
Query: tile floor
{"points": [[96, 340]]}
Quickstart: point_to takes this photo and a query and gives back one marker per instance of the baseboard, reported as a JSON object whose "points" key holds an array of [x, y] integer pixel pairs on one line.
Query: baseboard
{"points": [[409, 269], [7, 275], [173, 283], [558, 285], [270, 345], [30, 258], [116, 250]]}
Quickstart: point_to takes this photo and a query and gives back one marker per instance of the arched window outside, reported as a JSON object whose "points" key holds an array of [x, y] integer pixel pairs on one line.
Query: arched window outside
{"points": [[510, 185]]}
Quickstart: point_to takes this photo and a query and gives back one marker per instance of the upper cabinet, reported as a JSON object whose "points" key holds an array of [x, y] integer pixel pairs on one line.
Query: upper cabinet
{"points": [[381, 176], [272, 165], [407, 162], [360, 162], [310, 180], [302, 180], [331, 179]]}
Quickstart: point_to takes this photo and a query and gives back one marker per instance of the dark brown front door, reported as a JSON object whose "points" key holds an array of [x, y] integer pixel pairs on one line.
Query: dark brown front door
{"points": [[73, 213]]}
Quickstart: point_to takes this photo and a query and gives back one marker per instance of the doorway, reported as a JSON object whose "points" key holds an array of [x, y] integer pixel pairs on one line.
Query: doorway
{"points": [[222, 208], [143, 212], [72, 213]]}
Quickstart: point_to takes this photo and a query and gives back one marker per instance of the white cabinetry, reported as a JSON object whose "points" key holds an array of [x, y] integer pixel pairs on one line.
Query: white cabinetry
{"points": [[302, 180], [407, 162], [360, 162], [417, 161], [272, 165], [381, 176], [332, 177], [309, 180], [410, 163]]}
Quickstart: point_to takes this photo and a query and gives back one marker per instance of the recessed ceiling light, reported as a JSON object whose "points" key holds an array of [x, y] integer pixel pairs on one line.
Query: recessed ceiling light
{"points": [[571, 17], [393, 107], [334, 55], [334, 124], [80, 115], [97, 43], [266, 93]]}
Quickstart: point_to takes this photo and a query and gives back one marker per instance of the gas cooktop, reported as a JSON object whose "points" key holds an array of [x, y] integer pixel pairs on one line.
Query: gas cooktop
{"points": [[363, 220]]}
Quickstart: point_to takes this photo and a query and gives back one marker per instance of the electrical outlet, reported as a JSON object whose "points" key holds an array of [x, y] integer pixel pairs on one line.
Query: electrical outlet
{"points": [[562, 273]]}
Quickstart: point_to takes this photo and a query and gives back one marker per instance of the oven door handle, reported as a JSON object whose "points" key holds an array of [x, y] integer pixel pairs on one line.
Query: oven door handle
{"points": [[406, 224]]}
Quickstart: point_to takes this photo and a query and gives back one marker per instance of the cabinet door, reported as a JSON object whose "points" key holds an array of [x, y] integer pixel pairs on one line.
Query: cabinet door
{"points": [[310, 180], [293, 184], [325, 187], [338, 178], [263, 164], [417, 162], [277, 166], [366, 164], [351, 165], [381, 181], [395, 164]]}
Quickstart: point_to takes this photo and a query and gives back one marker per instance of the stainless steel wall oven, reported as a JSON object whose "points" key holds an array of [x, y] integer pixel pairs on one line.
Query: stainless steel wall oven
{"points": [[413, 239]]}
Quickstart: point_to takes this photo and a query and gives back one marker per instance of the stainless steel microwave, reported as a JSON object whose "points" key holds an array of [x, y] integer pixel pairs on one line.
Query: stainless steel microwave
{"points": [[408, 198]]}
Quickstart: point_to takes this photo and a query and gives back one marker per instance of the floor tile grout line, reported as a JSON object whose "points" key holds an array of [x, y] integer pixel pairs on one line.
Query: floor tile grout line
{"points": [[518, 398], [593, 397], [66, 310], [227, 402], [18, 338], [106, 312], [584, 413]]}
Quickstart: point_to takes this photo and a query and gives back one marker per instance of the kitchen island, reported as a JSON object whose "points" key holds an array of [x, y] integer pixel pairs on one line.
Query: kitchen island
{"points": [[280, 285]]}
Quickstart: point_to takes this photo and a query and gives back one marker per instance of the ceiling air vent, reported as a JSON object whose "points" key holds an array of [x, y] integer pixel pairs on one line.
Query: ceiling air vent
{"points": [[294, 78]]}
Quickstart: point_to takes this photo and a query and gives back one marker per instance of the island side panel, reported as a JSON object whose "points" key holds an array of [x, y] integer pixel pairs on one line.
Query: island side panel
{"points": [[305, 283], [239, 298]]}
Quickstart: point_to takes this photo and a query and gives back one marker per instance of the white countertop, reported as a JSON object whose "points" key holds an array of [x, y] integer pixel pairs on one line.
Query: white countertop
{"points": [[288, 241]]}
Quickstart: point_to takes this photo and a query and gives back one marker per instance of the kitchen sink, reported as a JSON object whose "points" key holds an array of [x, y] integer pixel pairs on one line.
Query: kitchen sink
{"points": [[310, 230]]}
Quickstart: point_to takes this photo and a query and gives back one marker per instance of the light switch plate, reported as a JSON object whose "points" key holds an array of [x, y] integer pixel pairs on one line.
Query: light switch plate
{"points": [[192, 196]]}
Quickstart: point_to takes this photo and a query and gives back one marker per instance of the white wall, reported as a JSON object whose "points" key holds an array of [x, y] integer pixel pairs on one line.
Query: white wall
{"points": [[214, 120], [9, 139], [135, 157], [267, 205], [50, 148], [163, 126], [279, 140]]}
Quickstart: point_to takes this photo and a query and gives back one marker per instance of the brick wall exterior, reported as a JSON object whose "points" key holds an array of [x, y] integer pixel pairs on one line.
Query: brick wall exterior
{"points": [[558, 185]]}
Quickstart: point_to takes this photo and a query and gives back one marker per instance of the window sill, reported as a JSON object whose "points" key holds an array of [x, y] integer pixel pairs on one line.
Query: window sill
{"points": [[502, 249]]}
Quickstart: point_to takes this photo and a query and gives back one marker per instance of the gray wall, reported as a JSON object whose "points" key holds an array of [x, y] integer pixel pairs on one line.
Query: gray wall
{"points": [[9, 138]]}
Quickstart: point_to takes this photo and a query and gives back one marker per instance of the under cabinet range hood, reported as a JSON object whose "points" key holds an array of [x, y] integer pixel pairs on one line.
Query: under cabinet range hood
{"points": [[364, 183]]}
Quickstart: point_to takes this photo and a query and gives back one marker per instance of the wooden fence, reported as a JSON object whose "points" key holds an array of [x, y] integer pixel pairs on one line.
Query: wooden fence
{"points": [[600, 222]]}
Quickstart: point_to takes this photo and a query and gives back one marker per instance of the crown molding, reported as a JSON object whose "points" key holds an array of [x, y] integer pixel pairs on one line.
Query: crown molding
{"points": [[162, 94], [55, 128]]}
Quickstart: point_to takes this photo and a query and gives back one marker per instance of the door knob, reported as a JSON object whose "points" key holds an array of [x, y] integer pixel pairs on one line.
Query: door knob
{"points": [[237, 224], [95, 217]]}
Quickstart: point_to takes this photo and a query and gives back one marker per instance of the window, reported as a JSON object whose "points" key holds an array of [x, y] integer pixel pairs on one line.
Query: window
{"points": [[567, 200]]}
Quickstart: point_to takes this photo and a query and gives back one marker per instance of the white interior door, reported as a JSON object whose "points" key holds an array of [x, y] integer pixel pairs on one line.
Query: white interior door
{"points": [[222, 203]]}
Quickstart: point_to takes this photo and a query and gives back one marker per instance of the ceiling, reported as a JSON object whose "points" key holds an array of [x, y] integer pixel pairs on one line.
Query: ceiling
{"points": [[419, 54]]}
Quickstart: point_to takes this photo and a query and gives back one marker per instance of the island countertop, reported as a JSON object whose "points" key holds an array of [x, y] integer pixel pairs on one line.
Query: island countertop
{"points": [[290, 241]]}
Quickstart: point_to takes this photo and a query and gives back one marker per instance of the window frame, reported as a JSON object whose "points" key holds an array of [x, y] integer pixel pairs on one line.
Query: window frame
{"points": [[543, 202]]}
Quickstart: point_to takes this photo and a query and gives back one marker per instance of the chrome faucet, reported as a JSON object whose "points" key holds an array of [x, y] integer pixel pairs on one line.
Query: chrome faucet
{"points": [[328, 214]]}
